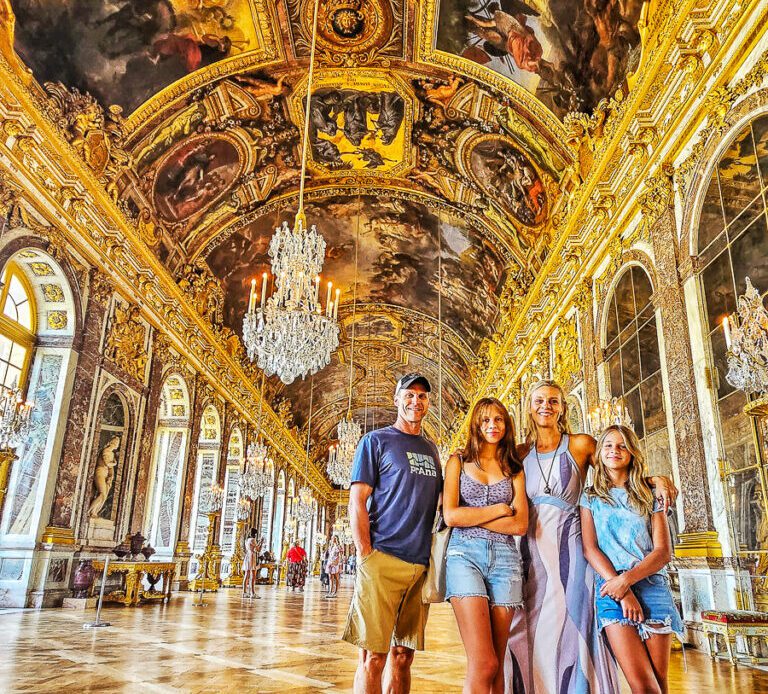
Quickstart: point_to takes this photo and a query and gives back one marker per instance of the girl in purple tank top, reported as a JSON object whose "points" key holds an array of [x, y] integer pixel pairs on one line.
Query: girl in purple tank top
{"points": [[484, 502]]}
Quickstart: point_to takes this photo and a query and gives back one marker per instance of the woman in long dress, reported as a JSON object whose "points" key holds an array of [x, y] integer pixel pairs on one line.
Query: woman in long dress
{"points": [[554, 644]]}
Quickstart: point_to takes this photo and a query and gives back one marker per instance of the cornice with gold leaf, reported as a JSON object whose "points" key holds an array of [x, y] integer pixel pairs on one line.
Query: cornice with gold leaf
{"points": [[46, 166], [621, 174]]}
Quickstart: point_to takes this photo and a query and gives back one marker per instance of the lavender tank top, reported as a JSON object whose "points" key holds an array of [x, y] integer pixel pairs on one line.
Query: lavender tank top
{"points": [[473, 493]]}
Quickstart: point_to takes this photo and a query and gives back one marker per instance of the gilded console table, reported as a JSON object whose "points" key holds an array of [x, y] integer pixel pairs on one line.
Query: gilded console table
{"points": [[133, 592], [269, 579]]}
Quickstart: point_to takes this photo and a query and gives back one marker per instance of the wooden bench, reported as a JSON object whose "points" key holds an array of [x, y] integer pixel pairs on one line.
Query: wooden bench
{"points": [[751, 626]]}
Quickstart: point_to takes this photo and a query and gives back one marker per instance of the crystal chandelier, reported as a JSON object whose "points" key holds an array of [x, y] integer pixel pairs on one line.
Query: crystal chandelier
{"points": [[243, 510], [304, 507], [289, 334], [212, 499], [338, 472], [259, 473], [608, 413], [14, 417], [258, 477], [747, 342]]}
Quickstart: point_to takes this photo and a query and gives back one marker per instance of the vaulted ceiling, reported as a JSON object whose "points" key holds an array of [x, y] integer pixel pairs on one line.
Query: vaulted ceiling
{"points": [[436, 132]]}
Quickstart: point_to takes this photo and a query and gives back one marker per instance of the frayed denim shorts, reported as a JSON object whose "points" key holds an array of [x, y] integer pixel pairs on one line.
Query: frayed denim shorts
{"points": [[480, 567], [654, 596]]}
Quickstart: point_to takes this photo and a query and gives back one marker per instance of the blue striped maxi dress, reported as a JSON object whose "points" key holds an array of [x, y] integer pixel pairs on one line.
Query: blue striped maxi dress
{"points": [[554, 644]]}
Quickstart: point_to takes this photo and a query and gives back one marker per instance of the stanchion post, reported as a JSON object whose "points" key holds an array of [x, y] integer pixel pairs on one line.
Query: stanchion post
{"points": [[98, 623], [204, 573]]}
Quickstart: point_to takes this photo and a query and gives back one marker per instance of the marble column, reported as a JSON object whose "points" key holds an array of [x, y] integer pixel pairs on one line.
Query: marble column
{"points": [[147, 442], [182, 554], [585, 303], [60, 528], [699, 537]]}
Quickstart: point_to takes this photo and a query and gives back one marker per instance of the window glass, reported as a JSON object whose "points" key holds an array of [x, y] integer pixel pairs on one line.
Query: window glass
{"points": [[10, 309], [634, 370], [742, 251], [16, 324], [738, 176]]}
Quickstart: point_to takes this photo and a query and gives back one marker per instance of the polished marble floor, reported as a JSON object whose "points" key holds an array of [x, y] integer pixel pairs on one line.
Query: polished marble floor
{"points": [[283, 642]]}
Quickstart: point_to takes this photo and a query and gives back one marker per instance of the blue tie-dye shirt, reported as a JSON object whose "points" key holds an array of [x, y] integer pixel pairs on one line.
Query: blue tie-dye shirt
{"points": [[623, 535]]}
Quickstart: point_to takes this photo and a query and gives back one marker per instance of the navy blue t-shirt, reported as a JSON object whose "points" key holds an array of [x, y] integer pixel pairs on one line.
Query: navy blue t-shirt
{"points": [[404, 471]]}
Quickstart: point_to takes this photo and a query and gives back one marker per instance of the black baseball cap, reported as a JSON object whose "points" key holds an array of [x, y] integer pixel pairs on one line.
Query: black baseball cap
{"points": [[409, 379]]}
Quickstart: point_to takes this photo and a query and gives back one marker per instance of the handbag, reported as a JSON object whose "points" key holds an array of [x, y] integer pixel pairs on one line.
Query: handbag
{"points": [[433, 589]]}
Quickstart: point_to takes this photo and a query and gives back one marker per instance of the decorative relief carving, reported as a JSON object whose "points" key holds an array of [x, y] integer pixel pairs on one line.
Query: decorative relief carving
{"points": [[126, 340], [567, 354], [56, 320], [204, 290], [97, 135]]}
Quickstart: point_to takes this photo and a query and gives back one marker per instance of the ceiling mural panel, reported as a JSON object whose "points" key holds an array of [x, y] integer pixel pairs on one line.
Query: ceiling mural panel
{"points": [[125, 51], [195, 174], [398, 261], [570, 54]]}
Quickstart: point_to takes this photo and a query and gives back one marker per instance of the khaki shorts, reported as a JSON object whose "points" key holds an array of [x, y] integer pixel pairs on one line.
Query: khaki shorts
{"points": [[386, 608]]}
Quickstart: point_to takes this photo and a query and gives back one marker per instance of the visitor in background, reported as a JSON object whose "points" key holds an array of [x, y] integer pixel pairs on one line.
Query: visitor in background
{"points": [[626, 541], [250, 563], [396, 484], [297, 567], [484, 502], [334, 566], [324, 579], [554, 644]]}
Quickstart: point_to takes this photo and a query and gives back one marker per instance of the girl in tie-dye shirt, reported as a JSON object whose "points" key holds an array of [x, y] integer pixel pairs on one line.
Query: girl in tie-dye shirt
{"points": [[626, 540]]}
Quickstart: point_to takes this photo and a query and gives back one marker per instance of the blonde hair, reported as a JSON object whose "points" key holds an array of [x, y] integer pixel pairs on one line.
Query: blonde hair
{"points": [[531, 433], [638, 491]]}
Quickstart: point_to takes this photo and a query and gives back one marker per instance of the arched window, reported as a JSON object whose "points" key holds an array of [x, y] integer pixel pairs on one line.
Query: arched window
{"points": [[170, 449], [17, 326], [634, 363], [732, 244]]}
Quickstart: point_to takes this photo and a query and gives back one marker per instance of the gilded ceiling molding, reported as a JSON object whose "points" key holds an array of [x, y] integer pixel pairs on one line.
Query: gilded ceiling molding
{"points": [[652, 91], [45, 166]]}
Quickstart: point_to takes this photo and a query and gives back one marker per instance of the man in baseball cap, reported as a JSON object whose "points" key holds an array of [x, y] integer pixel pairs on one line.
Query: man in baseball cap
{"points": [[396, 485]]}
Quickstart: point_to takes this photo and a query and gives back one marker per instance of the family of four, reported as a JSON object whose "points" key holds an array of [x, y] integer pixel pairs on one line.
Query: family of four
{"points": [[587, 588]]}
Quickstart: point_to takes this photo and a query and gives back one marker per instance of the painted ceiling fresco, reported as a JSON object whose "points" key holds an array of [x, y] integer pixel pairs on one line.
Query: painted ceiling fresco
{"points": [[124, 51], [568, 53], [410, 153]]}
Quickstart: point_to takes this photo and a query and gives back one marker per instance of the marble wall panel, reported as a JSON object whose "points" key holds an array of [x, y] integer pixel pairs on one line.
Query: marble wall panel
{"points": [[62, 512], [31, 458]]}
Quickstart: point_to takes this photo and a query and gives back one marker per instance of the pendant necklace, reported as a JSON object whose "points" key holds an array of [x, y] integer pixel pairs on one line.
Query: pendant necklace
{"points": [[547, 488]]}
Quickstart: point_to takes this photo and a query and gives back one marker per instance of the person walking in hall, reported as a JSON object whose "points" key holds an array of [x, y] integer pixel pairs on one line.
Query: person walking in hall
{"points": [[396, 485], [250, 563], [296, 575], [626, 541], [333, 566], [484, 502], [554, 644]]}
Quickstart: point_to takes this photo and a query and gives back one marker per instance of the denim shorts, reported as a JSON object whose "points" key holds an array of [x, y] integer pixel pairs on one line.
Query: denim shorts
{"points": [[478, 567], [654, 596]]}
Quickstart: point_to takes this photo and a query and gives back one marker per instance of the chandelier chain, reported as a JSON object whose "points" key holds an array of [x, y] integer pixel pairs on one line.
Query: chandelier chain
{"points": [[300, 213]]}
